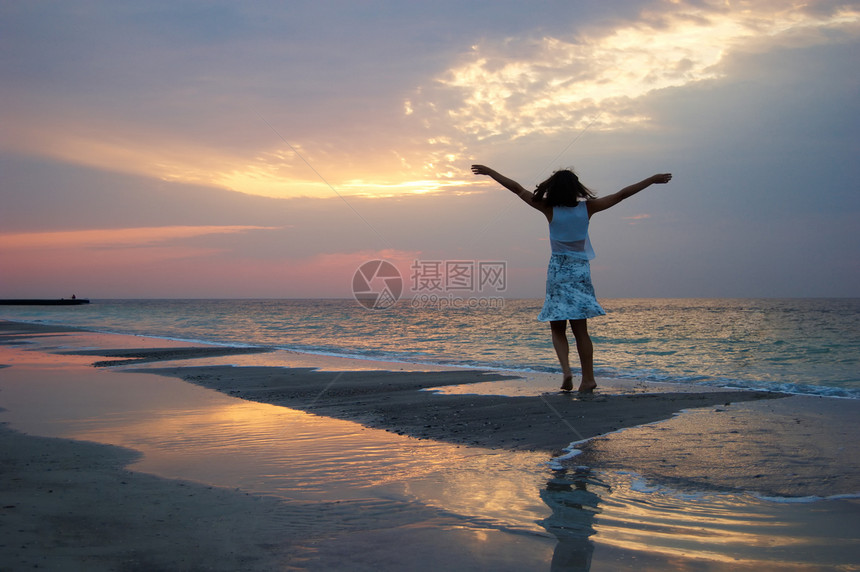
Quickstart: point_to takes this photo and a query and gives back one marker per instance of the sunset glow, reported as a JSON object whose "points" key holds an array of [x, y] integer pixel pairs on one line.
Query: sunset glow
{"points": [[111, 238], [563, 83], [240, 143]]}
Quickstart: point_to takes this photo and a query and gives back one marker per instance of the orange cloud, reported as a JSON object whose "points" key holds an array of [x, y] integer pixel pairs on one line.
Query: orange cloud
{"points": [[117, 237], [515, 87]]}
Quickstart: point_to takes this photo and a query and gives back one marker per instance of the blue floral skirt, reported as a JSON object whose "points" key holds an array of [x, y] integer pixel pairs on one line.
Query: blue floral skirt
{"points": [[569, 292]]}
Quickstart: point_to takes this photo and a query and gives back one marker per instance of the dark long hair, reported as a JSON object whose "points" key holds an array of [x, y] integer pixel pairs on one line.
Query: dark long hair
{"points": [[562, 189]]}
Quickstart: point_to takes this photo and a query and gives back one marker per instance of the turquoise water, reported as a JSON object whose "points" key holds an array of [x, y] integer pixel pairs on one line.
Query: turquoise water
{"points": [[798, 345]]}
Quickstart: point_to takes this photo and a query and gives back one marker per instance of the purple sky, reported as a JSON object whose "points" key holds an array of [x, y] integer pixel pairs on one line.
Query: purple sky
{"points": [[267, 149]]}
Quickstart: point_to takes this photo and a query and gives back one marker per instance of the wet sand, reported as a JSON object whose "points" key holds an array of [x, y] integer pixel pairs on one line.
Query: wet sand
{"points": [[771, 443], [394, 401], [71, 505], [67, 504]]}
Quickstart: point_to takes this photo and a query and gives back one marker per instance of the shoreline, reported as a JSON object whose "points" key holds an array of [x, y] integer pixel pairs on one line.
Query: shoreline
{"points": [[401, 401], [610, 431], [702, 442], [758, 380], [437, 403]]}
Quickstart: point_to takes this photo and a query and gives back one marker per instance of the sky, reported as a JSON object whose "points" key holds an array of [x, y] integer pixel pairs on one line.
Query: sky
{"points": [[206, 149]]}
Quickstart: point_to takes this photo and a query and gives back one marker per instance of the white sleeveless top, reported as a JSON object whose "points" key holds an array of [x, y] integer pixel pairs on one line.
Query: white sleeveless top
{"points": [[568, 231]]}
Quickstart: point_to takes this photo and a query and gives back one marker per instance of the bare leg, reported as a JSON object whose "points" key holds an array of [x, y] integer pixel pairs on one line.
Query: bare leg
{"points": [[586, 354], [562, 349]]}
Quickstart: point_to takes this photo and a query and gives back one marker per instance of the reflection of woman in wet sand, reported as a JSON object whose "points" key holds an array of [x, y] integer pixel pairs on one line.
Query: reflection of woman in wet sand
{"points": [[574, 507], [568, 206]]}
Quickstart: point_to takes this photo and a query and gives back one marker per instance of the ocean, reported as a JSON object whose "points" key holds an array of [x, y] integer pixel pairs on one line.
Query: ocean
{"points": [[803, 346]]}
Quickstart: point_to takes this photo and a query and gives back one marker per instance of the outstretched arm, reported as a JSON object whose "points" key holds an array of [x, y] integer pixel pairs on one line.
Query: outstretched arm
{"points": [[527, 196], [603, 203]]}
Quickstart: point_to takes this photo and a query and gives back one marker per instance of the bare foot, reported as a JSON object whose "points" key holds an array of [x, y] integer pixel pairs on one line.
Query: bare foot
{"points": [[567, 383], [587, 386]]}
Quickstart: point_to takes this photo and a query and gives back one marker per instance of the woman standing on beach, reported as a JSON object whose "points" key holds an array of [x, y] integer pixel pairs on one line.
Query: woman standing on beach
{"points": [[568, 206]]}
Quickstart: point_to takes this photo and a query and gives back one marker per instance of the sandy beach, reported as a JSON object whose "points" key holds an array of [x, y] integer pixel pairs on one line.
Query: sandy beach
{"points": [[74, 504]]}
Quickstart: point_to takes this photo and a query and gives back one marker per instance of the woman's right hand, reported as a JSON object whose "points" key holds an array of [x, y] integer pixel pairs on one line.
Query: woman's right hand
{"points": [[480, 170]]}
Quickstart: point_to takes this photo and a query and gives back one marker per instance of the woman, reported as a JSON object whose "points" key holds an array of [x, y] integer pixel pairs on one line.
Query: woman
{"points": [[568, 206]]}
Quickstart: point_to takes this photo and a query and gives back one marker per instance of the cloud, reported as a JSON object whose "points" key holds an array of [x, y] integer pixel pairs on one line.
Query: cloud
{"points": [[504, 90], [246, 98], [348, 128], [111, 238], [636, 218], [187, 93]]}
